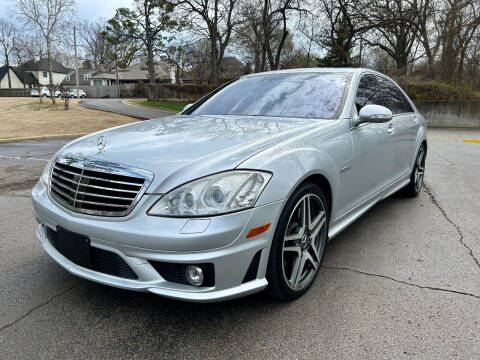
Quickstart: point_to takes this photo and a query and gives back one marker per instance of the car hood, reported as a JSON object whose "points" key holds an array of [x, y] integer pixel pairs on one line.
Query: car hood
{"points": [[181, 148]]}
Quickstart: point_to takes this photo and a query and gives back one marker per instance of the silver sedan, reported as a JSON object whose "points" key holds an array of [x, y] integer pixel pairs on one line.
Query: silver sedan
{"points": [[238, 193]]}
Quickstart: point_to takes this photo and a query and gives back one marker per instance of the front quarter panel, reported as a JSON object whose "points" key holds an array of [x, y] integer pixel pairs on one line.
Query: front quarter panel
{"points": [[321, 151]]}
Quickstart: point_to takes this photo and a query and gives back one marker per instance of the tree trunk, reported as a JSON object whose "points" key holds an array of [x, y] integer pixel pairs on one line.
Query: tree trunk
{"points": [[7, 63], [50, 71], [148, 35]]}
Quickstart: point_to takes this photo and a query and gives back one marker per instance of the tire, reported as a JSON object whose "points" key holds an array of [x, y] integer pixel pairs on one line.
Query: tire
{"points": [[418, 173], [44, 95], [286, 276]]}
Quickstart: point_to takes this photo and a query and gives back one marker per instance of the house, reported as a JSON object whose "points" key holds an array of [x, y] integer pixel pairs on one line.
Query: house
{"points": [[230, 68], [40, 71], [16, 80], [84, 76], [137, 73]]}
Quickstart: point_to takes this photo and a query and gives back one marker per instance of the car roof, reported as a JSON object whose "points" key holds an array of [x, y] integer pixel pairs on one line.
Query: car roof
{"points": [[344, 70]]}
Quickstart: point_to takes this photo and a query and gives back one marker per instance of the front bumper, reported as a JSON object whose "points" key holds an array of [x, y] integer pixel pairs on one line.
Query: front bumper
{"points": [[139, 239]]}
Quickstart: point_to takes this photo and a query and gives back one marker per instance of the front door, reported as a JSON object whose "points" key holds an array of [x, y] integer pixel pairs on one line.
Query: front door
{"points": [[372, 165], [405, 126]]}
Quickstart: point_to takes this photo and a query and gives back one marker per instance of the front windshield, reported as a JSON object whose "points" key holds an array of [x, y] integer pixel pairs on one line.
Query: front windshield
{"points": [[304, 95]]}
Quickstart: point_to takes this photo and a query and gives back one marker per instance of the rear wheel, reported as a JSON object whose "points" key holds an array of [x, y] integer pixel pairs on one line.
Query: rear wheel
{"points": [[416, 178], [298, 244]]}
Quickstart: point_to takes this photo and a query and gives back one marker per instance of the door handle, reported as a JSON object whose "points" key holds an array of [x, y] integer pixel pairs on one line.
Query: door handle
{"points": [[390, 129]]}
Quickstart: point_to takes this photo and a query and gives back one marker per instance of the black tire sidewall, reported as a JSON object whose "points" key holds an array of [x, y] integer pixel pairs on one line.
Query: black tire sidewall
{"points": [[277, 284], [411, 189]]}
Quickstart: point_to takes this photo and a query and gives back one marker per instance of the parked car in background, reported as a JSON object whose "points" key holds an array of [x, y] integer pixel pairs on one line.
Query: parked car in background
{"points": [[239, 192], [44, 91], [72, 93]]}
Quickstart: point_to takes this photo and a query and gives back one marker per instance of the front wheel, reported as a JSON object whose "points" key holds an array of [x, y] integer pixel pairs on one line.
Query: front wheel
{"points": [[298, 244], [416, 178]]}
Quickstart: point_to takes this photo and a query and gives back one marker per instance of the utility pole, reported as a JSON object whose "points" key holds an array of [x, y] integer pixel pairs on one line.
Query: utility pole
{"points": [[116, 69], [76, 60]]}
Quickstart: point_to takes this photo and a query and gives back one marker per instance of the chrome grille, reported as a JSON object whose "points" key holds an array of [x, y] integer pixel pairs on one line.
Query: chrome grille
{"points": [[97, 188]]}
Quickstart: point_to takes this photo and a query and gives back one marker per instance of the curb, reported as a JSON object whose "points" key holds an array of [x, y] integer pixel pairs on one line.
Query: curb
{"points": [[48, 137], [126, 102]]}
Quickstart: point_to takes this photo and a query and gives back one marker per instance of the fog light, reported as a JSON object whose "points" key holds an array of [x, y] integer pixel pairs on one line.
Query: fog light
{"points": [[194, 275]]}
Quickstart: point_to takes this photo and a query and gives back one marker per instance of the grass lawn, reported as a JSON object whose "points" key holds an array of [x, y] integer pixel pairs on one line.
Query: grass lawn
{"points": [[27, 117], [175, 106]]}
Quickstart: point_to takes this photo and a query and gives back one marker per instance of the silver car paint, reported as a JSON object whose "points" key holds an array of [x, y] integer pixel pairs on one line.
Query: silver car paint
{"points": [[361, 165]]}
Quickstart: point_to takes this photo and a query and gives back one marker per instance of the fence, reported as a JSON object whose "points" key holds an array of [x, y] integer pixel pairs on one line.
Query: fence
{"points": [[14, 92], [176, 91], [123, 90]]}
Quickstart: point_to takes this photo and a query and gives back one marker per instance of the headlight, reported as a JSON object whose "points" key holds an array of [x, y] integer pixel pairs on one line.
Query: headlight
{"points": [[45, 178], [213, 195]]}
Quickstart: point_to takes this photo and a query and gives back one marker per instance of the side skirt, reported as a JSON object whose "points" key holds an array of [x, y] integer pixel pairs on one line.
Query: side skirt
{"points": [[351, 216]]}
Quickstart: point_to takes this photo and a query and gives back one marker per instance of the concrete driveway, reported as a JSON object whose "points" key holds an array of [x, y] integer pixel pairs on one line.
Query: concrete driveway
{"points": [[403, 282], [118, 106]]}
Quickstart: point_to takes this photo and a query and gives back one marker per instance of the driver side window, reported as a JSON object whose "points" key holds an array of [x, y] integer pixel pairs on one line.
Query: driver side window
{"points": [[368, 92]]}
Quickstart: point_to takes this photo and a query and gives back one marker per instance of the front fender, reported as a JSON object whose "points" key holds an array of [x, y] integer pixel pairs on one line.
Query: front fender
{"points": [[290, 167]]}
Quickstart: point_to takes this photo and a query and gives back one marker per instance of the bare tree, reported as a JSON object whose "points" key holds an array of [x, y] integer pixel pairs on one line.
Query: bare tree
{"points": [[214, 20], [94, 43], [47, 17], [275, 30], [7, 44], [393, 28]]}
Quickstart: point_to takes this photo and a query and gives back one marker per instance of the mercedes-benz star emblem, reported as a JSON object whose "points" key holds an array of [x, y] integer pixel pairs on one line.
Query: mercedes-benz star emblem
{"points": [[101, 142]]}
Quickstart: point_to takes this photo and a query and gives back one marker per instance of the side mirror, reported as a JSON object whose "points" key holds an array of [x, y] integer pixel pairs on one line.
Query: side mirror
{"points": [[186, 107], [374, 114]]}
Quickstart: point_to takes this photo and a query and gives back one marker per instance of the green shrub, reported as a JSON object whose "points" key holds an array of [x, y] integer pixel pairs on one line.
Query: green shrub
{"points": [[436, 90]]}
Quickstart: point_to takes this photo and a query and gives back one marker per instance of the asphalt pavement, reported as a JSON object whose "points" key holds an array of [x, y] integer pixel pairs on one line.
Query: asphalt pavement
{"points": [[403, 282], [118, 106]]}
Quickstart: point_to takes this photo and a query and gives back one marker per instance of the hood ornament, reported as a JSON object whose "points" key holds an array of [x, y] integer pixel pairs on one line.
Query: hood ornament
{"points": [[101, 142]]}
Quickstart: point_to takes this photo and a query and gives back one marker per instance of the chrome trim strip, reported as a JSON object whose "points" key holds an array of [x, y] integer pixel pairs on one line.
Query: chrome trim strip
{"points": [[95, 186], [97, 178], [93, 194]]}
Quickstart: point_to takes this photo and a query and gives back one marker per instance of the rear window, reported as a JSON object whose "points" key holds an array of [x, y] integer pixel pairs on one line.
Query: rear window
{"points": [[306, 95]]}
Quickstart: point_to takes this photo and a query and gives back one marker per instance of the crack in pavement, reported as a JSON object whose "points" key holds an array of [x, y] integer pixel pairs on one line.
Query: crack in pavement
{"points": [[37, 307], [459, 231], [402, 281]]}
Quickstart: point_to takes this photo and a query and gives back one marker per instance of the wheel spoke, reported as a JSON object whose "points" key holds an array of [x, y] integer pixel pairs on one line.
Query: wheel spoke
{"points": [[313, 223], [311, 260], [420, 159], [315, 252], [302, 220], [295, 249], [297, 270], [319, 224]]}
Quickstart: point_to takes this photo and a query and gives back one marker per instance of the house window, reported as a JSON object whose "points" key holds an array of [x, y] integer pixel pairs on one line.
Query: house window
{"points": [[44, 74], [86, 76]]}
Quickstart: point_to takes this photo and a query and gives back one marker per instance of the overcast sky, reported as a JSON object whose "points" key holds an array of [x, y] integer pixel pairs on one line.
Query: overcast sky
{"points": [[86, 9]]}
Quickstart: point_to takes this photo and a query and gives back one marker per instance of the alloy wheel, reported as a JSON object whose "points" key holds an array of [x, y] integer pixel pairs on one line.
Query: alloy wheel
{"points": [[304, 242], [419, 169]]}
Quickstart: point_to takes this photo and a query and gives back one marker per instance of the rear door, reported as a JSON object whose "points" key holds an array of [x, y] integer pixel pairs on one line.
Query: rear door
{"points": [[374, 149], [404, 124]]}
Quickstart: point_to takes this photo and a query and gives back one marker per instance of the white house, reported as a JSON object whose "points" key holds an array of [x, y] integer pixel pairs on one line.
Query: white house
{"points": [[39, 69], [16, 81]]}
